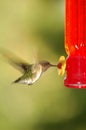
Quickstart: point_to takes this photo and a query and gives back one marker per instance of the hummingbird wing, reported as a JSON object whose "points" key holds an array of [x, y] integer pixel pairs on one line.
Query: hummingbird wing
{"points": [[14, 60]]}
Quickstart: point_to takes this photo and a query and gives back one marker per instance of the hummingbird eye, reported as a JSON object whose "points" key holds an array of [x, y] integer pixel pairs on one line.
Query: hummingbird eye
{"points": [[45, 63]]}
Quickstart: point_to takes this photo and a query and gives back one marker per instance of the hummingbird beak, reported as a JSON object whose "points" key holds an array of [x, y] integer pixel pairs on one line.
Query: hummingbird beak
{"points": [[53, 65]]}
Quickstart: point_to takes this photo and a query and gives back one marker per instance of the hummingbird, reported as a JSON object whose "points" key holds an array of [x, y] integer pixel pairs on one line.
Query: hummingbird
{"points": [[30, 72]]}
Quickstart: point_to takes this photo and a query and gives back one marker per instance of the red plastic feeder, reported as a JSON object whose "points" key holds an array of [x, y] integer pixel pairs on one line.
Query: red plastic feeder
{"points": [[75, 44]]}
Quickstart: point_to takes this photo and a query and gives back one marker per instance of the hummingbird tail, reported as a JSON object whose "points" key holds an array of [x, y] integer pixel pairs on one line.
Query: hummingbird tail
{"points": [[17, 80], [21, 81]]}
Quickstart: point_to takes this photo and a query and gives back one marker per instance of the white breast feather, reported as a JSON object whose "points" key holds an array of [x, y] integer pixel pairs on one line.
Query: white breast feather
{"points": [[37, 73]]}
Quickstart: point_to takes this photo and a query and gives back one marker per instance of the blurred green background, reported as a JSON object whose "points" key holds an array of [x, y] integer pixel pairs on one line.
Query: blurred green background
{"points": [[31, 29]]}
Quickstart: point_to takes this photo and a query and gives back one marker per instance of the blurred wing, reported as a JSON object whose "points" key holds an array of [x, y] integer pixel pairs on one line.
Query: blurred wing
{"points": [[15, 61], [35, 56]]}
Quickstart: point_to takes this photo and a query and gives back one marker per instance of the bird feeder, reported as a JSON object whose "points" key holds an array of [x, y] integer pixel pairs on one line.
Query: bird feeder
{"points": [[75, 43]]}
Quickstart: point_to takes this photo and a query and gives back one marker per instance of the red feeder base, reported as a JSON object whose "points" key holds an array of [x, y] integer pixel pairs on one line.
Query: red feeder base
{"points": [[75, 72]]}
